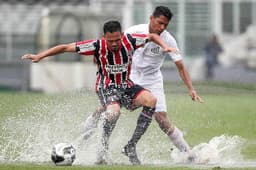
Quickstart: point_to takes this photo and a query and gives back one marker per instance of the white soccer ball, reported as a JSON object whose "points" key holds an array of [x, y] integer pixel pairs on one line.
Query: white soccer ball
{"points": [[63, 154]]}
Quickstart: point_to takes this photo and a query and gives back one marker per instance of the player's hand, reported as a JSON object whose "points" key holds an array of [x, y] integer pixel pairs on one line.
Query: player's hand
{"points": [[170, 49], [195, 97], [34, 58]]}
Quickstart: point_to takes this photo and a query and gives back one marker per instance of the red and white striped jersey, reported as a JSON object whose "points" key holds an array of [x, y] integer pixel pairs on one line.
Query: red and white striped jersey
{"points": [[113, 67]]}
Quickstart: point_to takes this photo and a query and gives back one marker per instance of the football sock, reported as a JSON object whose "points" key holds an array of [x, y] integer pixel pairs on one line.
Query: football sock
{"points": [[108, 127], [143, 122], [179, 141]]}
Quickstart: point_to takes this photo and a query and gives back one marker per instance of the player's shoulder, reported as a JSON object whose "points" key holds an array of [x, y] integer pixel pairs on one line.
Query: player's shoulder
{"points": [[166, 35], [140, 29]]}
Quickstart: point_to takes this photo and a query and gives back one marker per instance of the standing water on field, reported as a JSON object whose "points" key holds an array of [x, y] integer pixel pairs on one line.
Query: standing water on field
{"points": [[30, 135]]}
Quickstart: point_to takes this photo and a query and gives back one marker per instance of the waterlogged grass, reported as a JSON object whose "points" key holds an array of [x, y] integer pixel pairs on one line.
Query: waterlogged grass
{"points": [[21, 115], [44, 167], [228, 109]]}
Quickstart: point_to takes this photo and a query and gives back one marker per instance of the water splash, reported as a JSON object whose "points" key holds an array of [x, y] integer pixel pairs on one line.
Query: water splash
{"points": [[30, 136], [220, 150]]}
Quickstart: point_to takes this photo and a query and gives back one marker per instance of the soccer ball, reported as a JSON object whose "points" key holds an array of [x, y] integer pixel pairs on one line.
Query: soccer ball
{"points": [[63, 154]]}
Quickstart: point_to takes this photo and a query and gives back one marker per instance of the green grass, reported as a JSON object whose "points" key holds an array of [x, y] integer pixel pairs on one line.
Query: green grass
{"points": [[228, 108]]}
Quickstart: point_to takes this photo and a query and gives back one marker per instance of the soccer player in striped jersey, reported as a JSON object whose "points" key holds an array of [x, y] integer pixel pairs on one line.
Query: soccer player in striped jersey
{"points": [[113, 55]]}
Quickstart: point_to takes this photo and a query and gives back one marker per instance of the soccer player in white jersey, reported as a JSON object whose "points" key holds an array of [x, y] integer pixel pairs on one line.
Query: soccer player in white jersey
{"points": [[146, 72]]}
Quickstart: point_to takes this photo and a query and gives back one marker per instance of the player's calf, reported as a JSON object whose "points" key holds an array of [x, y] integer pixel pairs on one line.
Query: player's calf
{"points": [[143, 123]]}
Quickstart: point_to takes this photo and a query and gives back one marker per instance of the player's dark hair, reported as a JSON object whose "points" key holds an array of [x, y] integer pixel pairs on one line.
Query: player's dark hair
{"points": [[163, 10], [112, 26]]}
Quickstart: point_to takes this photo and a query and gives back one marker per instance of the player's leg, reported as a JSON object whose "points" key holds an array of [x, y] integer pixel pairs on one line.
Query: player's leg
{"points": [[109, 99], [164, 122], [172, 131], [91, 122], [148, 101], [111, 117]]}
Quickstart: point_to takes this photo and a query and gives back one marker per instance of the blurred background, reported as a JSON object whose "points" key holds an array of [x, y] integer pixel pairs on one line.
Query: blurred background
{"points": [[30, 26]]}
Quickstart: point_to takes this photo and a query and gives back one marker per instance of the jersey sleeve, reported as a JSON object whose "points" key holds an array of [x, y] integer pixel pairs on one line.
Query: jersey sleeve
{"points": [[86, 47], [139, 39]]}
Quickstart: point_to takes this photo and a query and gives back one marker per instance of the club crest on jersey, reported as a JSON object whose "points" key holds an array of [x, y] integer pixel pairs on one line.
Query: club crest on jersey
{"points": [[114, 69], [155, 50]]}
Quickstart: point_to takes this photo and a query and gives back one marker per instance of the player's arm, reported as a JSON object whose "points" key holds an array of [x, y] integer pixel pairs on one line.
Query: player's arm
{"points": [[51, 51], [185, 77], [156, 39]]}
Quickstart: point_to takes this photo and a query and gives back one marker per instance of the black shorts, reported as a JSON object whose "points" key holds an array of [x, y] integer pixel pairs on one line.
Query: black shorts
{"points": [[122, 95]]}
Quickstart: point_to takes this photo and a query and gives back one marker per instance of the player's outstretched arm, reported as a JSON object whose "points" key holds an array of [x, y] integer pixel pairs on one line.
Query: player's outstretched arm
{"points": [[185, 77], [156, 39], [50, 52]]}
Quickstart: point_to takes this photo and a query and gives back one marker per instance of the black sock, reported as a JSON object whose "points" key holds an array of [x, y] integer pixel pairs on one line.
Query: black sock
{"points": [[107, 130], [143, 123]]}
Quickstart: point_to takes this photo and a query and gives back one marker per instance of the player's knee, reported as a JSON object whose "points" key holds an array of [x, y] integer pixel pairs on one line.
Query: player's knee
{"points": [[112, 116], [151, 101]]}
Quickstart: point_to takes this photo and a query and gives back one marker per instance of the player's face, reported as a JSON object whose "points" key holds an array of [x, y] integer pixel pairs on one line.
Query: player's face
{"points": [[113, 40], [158, 24]]}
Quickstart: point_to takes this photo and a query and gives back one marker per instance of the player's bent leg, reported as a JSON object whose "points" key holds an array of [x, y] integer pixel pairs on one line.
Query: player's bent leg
{"points": [[143, 123], [91, 123]]}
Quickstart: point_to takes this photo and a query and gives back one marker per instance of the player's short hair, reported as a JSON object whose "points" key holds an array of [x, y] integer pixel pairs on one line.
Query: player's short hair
{"points": [[163, 10], [112, 26]]}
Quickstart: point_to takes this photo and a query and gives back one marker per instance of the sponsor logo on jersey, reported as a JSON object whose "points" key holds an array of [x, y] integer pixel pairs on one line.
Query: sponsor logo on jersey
{"points": [[155, 50], [114, 69]]}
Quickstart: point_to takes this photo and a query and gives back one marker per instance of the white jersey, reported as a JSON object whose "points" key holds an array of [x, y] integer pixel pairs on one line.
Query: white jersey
{"points": [[147, 62]]}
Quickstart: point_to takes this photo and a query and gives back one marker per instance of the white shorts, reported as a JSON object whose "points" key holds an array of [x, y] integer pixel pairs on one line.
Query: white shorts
{"points": [[161, 101], [154, 83]]}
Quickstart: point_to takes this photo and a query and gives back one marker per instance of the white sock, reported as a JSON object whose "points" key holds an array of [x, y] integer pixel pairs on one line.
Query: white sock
{"points": [[179, 141], [90, 126]]}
